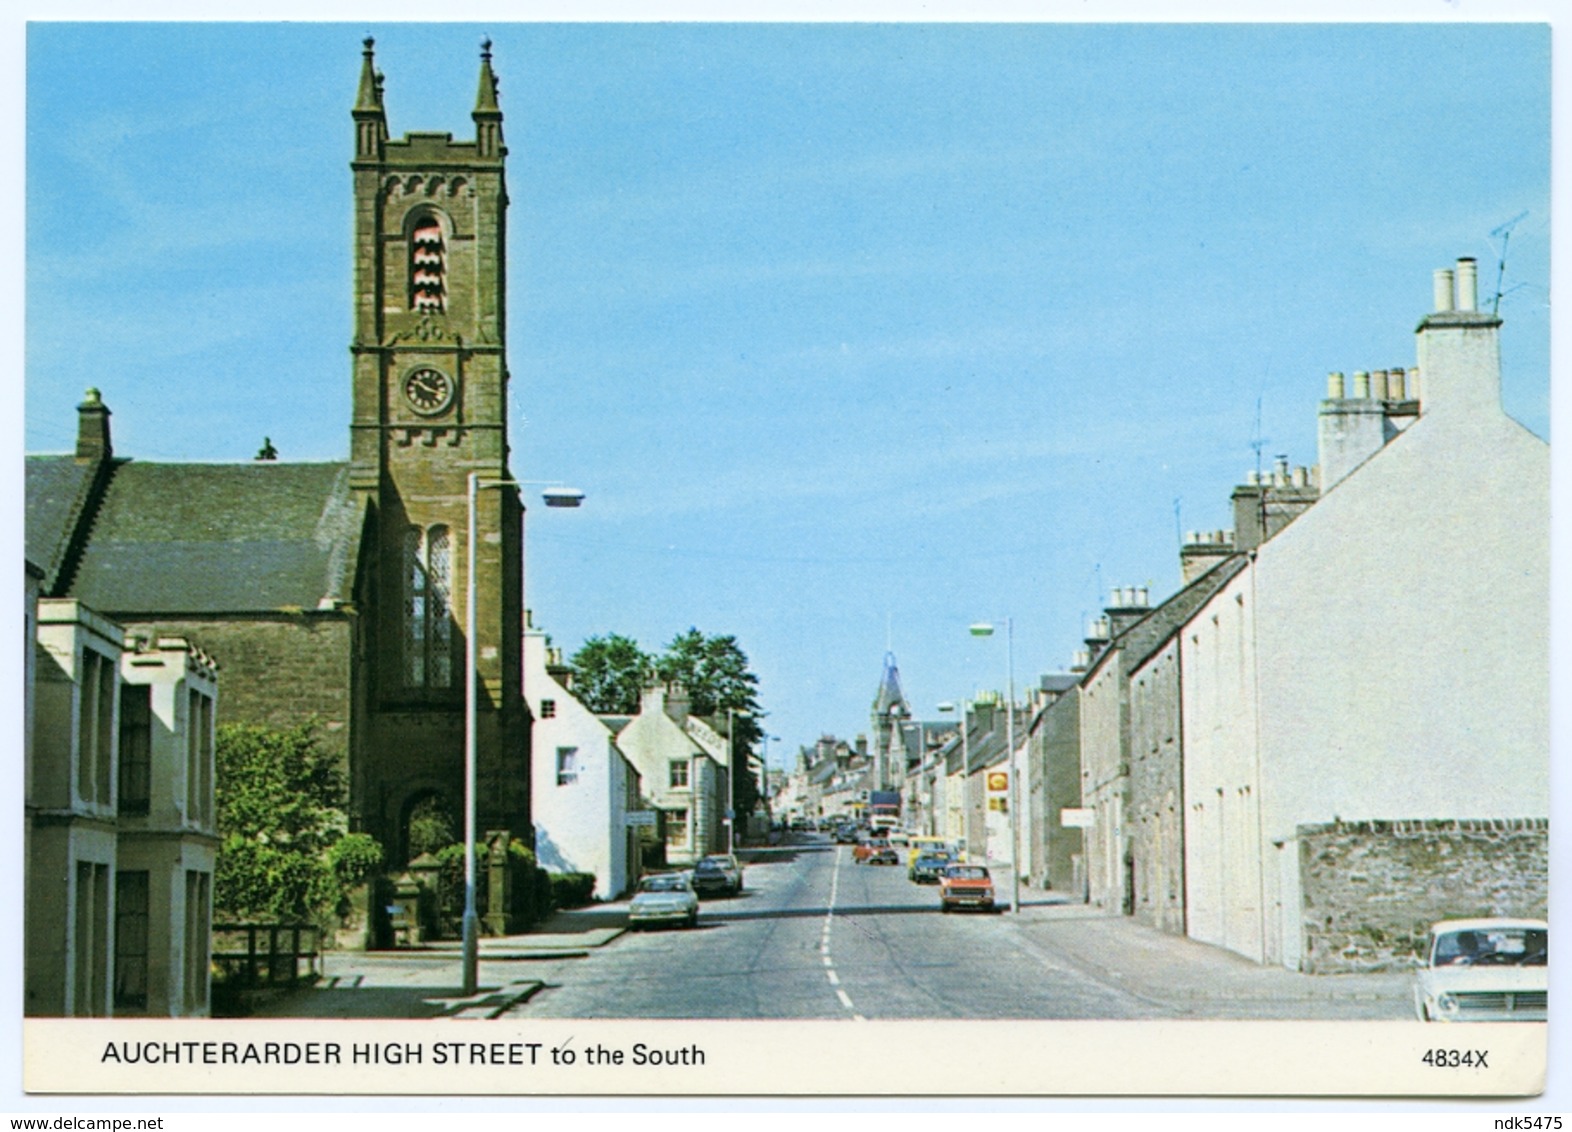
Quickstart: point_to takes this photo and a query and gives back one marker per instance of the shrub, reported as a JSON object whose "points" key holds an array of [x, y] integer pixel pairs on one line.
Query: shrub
{"points": [[284, 850], [571, 890]]}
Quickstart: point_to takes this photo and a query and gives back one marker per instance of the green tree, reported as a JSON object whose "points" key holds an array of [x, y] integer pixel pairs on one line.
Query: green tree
{"points": [[609, 673], [430, 827], [284, 848]]}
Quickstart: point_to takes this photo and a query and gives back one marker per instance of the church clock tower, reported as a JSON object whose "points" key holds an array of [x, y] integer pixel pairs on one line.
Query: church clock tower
{"points": [[429, 408]]}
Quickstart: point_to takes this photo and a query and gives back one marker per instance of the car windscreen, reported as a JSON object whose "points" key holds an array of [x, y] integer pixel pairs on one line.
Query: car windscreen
{"points": [[1501, 947], [961, 872], [663, 884]]}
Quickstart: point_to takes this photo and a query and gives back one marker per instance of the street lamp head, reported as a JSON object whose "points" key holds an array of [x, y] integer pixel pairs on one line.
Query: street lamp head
{"points": [[982, 629], [562, 496], [946, 706]]}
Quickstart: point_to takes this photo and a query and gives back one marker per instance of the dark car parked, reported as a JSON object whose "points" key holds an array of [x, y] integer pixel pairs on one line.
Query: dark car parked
{"points": [[926, 868], [717, 875]]}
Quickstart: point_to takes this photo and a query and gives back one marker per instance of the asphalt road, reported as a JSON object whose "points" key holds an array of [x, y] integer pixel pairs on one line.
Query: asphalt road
{"points": [[815, 936]]}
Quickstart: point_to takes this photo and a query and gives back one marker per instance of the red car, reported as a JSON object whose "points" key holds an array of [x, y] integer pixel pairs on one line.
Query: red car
{"points": [[863, 851], [965, 886]]}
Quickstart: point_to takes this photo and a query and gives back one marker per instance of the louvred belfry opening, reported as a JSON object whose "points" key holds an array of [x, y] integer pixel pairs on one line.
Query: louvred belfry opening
{"points": [[427, 267]]}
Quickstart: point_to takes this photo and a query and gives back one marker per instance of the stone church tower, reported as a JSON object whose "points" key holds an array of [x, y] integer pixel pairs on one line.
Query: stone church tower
{"points": [[430, 409], [335, 592]]}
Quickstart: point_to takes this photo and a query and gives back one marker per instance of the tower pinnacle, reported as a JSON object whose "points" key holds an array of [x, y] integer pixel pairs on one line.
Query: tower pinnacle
{"points": [[371, 124], [486, 96], [488, 115], [370, 94]]}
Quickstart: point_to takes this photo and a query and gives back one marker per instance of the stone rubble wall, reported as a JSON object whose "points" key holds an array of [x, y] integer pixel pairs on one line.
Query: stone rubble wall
{"points": [[1371, 889]]}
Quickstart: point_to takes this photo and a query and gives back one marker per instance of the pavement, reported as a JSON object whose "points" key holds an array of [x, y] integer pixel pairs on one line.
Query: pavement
{"points": [[425, 982], [1164, 969], [1170, 968]]}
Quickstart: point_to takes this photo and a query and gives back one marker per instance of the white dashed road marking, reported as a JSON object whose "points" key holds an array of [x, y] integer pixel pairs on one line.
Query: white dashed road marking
{"points": [[824, 942]]}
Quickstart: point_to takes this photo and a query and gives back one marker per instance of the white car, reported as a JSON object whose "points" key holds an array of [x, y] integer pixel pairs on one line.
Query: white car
{"points": [[664, 898], [1489, 970]]}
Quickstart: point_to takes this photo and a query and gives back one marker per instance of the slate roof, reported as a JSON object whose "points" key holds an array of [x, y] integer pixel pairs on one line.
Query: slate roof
{"points": [[202, 539], [57, 491], [1142, 640]]}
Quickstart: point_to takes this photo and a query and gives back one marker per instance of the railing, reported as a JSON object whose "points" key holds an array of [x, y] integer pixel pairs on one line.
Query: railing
{"points": [[254, 955]]}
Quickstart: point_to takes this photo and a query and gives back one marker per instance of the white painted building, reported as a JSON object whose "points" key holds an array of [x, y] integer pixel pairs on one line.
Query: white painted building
{"points": [[121, 821], [168, 829], [680, 777], [582, 786], [1384, 657]]}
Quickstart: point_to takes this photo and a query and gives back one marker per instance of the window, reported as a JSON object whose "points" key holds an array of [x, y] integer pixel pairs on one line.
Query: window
{"points": [[136, 747], [131, 940], [548, 709], [199, 757], [567, 766], [90, 950], [679, 774], [427, 267], [199, 917], [428, 620], [676, 827], [96, 742]]}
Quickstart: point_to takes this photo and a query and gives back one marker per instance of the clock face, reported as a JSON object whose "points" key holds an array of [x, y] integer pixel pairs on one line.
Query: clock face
{"points": [[428, 391]]}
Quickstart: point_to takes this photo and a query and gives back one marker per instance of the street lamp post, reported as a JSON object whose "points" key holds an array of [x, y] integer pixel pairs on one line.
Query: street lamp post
{"points": [[985, 629], [561, 497]]}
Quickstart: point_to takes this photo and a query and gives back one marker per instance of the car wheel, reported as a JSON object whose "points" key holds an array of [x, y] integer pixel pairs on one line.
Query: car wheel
{"points": [[693, 918]]}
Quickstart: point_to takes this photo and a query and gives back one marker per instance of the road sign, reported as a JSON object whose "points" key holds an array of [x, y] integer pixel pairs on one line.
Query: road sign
{"points": [[998, 781], [640, 818], [1074, 818]]}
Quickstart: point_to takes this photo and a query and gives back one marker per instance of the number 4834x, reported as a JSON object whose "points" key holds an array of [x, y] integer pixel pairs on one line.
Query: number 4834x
{"points": [[1456, 1058]]}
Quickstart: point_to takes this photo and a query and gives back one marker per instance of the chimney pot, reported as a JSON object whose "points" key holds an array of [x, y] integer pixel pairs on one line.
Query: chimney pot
{"points": [[1334, 386], [1467, 284], [1361, 385], [1394, 385], [1442, 283], [1378, 385]]}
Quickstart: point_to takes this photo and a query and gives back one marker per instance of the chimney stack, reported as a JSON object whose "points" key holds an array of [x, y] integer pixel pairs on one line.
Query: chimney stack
{"points": [[1459, 350], [92, 429]]}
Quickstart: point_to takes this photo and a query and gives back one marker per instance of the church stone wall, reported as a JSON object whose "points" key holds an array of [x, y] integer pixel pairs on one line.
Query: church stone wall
{"points": [[277, 673]]}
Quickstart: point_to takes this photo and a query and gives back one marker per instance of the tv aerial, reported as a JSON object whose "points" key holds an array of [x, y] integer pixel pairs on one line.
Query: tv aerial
{"points": [[1503, 232]]}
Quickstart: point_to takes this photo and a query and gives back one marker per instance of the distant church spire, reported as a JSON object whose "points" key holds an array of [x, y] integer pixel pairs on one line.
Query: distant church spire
{"points": [[889, 689]]}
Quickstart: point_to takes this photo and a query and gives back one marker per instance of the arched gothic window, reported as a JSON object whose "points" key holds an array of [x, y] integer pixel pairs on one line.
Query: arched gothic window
{"points": [[428, 608], [427, 266]]}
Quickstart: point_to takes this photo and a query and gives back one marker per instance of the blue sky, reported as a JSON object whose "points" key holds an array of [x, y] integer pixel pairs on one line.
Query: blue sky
{"points": [[853, 334]]}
